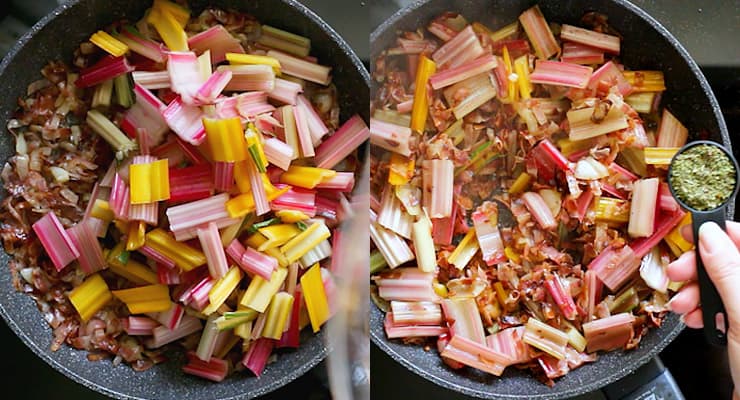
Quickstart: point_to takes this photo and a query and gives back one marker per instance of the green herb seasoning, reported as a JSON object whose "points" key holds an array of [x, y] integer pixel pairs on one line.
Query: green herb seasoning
{"points": [[703, 177]]}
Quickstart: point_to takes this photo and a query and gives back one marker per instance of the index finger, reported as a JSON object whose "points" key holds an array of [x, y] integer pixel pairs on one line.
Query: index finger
{"points": [[683, 268], [731, 227]]}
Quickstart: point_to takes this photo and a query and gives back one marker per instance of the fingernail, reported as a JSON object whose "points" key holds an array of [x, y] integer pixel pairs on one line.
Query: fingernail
{"points": [[683, 255], [711, 237], [673, 300]]}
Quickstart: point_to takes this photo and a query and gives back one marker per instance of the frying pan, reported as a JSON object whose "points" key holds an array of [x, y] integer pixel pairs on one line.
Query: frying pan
{"points": [[54, 38], [646, 45]]}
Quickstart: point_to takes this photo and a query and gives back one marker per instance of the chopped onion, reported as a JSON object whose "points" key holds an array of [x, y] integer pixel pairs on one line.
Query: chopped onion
{"points": [[589, 169], [36, 160], [553, 199], [69, 195], [465, 287], [653, 270], [35, 86], [27, 274], [410, 197], [60, 174], [21, 147], [22, 165]]}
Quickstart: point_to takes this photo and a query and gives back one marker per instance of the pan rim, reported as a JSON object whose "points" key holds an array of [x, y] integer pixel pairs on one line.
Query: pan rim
{"points": [[44, 353], [376, 332], [378, 339]]}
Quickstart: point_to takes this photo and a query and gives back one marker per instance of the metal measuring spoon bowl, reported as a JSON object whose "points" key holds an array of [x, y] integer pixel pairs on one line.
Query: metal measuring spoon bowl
{"points": [[713, 310]]}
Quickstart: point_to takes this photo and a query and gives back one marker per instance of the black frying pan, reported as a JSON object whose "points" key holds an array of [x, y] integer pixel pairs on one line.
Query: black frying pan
{"points": [[55, 37], [646, 45]]}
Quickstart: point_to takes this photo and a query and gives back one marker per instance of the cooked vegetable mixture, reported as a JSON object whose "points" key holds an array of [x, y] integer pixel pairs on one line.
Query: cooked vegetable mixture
{"points": [[521, 214], [213, 224]]}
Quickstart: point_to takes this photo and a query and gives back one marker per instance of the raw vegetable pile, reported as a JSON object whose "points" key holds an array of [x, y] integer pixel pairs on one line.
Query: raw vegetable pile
{"points": [[229, 174], [521, 214]]}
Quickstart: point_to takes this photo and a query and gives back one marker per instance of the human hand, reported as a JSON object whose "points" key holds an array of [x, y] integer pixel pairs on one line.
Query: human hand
{"points": [[719, 252]]}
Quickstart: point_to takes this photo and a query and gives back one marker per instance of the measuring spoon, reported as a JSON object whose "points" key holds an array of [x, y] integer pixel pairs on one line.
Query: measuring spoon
{"points": [[715, 317]]}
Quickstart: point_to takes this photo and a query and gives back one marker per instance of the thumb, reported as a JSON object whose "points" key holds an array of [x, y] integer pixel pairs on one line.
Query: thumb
{"points": [[722, 262], [721, 259]]}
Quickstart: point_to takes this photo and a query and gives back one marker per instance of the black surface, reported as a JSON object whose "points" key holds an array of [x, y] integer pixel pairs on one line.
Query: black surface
{"points": [[701, 370], [647, 45], [713, 309], [635, 380], [54, 38], [662, 387]]}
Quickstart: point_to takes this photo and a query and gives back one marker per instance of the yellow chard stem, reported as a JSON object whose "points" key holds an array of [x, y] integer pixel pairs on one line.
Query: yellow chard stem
{"points": [[169, 28], [145, 299], [465, 250], [105, 41], [225, 139], [222, 289], [259, 292], [401, 169], [136, 232], [258, 239], [277, 235], [424, 244], [305, 177], [659, 155], [314, 295], [149, 182], [132, 270], [277, 315], [90, 296], [236, 58], [299, 245], [420, 109], [184, 256]]}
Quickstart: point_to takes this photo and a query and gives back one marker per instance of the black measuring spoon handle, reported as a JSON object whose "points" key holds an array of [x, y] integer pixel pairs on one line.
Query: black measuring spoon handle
{"points": [[711, 303]]}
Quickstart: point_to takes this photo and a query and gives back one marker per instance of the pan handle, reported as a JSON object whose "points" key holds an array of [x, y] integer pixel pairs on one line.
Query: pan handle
{"points": [[711, 303]]}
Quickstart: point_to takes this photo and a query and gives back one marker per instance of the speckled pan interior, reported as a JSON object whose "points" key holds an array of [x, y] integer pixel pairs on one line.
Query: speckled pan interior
{"points": [[55, 37], [646, 45]]}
